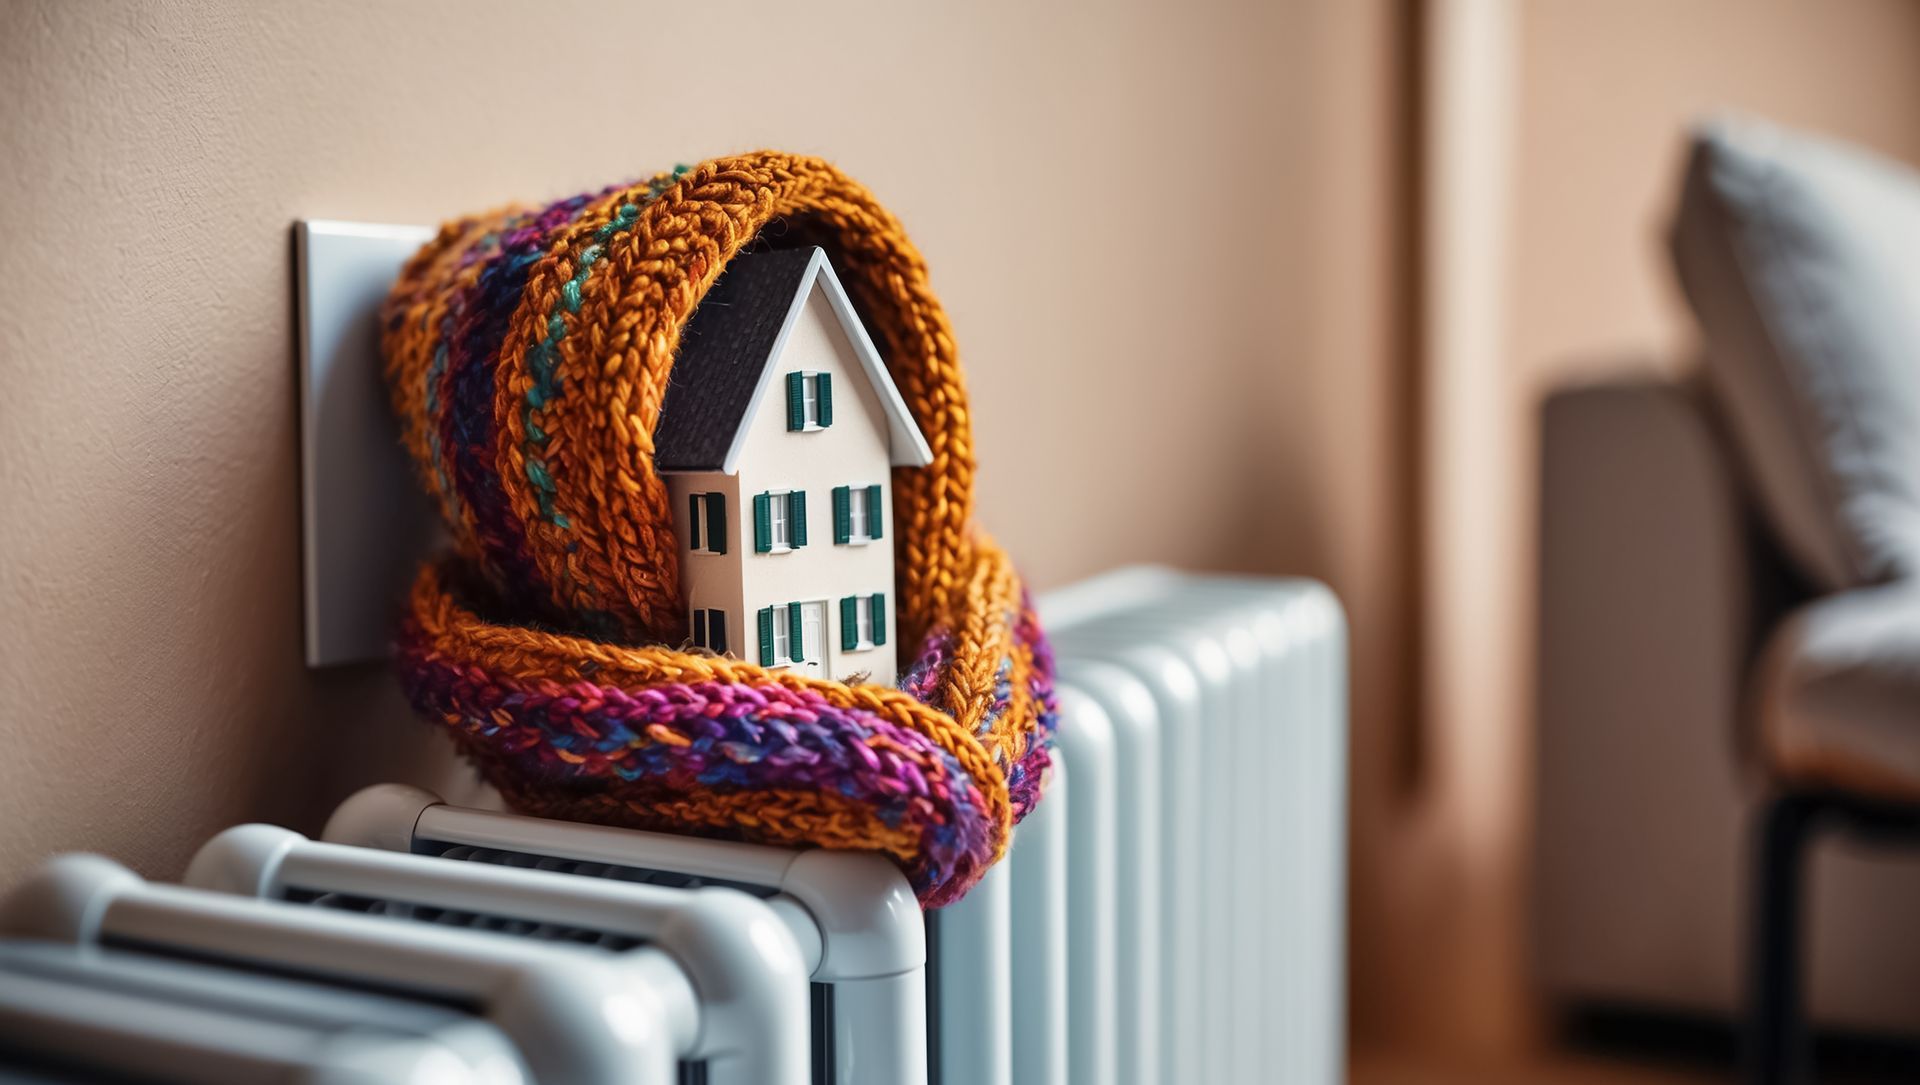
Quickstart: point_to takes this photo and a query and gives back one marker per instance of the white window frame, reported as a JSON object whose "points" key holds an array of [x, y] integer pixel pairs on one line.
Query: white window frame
{"points": [[863, 623], [780, 521], [699, 530], [810, 402], [783, 635], [858, 529]]}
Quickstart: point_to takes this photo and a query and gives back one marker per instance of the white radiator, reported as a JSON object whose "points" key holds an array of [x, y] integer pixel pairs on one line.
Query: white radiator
{"points": [[736, 971], [574, 1014], [1170, 913], [74, 1014], [1216, 709], [869, 1017]]}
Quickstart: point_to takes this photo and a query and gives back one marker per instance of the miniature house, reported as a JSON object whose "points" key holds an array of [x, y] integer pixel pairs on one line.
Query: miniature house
{"points": [[776, 439]]}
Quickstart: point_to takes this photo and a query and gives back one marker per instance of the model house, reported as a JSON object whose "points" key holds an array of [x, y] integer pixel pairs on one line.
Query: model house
{"points": [[776, 438]]}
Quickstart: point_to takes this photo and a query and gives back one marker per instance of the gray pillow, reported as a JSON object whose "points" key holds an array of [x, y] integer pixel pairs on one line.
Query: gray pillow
{"points": [[1801, 258]]}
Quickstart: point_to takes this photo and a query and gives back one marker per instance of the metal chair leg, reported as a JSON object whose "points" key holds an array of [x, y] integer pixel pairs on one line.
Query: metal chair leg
{"points": [[1776, 1047]]}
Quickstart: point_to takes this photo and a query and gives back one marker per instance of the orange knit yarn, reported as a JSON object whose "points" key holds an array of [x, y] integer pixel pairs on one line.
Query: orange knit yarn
{"points": [[618, 557]]}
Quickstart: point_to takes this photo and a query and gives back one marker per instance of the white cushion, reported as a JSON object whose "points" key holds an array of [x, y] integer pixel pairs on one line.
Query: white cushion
{"points": [[1801, 258], [1839, 693]]}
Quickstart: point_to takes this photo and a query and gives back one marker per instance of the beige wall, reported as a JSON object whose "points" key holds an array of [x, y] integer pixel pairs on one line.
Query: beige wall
{"points": [[1165, 233], [1597, 170]]}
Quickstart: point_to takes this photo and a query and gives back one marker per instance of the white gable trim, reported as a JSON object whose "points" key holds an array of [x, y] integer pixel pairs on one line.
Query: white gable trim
{"points": [[907, 443], [907, 446]]}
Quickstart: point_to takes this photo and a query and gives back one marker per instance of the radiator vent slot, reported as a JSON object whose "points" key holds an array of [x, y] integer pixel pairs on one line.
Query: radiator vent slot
{"points": [[453, 917], [526, 860], [248, 966]]}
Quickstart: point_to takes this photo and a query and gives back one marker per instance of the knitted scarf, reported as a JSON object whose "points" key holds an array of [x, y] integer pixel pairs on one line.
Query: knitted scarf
{"points": [[527, 352]]}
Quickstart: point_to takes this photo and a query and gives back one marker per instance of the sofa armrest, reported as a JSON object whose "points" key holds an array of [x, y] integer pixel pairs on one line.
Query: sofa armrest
{"points": [[1648, 600], [1839, 693], [1645, 629], [1654, 586]]}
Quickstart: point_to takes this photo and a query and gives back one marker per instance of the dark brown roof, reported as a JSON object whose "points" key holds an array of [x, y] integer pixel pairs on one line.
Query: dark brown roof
{"points": [[724, 350]]}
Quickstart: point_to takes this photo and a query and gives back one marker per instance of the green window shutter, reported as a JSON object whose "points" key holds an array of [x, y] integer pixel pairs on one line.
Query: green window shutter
{"points": [[825, 392], [797, 519], [766, 637], [717, 631], [762, 524], [699, 629], [879, 619], [849, 623], [796, 401], [842, 516], [693, 521], [874, 519], [797, 645], [717, 523]]}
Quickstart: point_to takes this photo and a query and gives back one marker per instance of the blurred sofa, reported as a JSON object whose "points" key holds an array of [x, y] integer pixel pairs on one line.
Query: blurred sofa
{"points": [[1728, 602], [1659, 588]]}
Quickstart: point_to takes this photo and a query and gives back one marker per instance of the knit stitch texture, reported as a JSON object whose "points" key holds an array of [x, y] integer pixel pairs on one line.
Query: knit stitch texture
{"points": [[527, 353]]}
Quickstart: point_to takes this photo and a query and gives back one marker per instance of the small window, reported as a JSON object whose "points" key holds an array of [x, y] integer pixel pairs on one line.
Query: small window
{"points": [[863, 625], [789, 633], [779, 521], [783, 634], [710, 630], [809, 401], [863, 622], [856, 514], [707, 523]]}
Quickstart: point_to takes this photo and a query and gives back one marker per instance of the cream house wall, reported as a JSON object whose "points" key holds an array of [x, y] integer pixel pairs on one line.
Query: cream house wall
{"points": [[712, 581], [854, 451]]}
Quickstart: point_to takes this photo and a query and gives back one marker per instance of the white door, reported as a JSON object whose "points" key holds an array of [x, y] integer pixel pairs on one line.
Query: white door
{"points": [[813, 621]]}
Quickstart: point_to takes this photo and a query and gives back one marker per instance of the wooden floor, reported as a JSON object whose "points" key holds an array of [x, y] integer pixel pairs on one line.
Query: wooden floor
{"points": [[1841, 1063], [1551, 1069]]}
